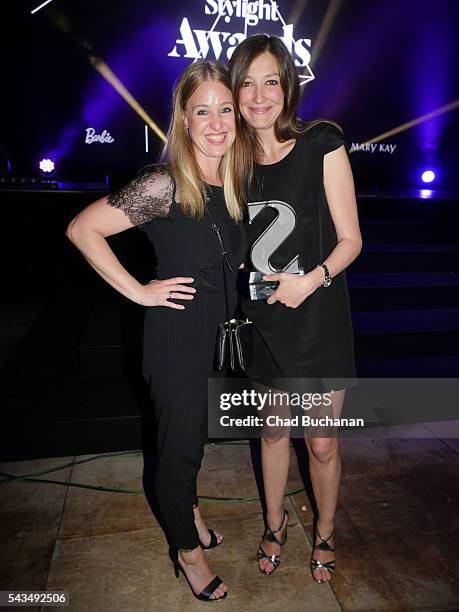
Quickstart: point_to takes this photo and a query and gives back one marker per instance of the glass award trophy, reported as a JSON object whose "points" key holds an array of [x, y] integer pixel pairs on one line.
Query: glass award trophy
{"points": [[260, 289], [278, 230]]}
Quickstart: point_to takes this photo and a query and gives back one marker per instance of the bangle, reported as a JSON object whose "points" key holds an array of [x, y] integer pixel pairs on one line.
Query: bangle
{"points": [[327, 277]]}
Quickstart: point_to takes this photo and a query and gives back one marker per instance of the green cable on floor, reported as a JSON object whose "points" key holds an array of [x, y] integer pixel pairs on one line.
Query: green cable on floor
{"points": [[8, 478]]}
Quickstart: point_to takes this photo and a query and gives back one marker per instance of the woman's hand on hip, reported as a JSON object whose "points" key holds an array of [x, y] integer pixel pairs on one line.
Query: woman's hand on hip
{"points": [[293, 289], [158, 292]]}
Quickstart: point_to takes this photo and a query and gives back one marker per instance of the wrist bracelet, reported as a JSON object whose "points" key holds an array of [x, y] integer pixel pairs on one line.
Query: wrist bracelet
{"points": [[327, 278]]}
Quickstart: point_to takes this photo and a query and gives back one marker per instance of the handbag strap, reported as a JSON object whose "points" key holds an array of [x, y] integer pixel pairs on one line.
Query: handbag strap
{"points": [[225, 260]]}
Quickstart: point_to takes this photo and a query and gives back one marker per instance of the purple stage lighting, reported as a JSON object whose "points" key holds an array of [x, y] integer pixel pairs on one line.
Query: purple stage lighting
{"points": [[46, 166], [428, 176]]}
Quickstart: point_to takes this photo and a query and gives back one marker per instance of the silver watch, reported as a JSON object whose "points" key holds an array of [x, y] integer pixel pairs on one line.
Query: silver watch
{"points": [[327, 278]]}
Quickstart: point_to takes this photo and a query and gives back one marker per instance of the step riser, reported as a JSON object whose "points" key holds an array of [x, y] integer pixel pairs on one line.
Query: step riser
{"points": [[406, 262]]}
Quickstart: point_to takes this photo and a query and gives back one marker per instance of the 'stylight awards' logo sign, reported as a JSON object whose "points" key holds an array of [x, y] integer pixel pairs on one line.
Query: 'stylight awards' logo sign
{"points": [[237, 19]]}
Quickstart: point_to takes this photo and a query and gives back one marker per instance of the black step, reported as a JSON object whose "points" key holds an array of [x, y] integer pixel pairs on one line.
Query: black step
{"points": [[404, 298], [377, 346], [405, 321], [406, 262], [415, 230]]}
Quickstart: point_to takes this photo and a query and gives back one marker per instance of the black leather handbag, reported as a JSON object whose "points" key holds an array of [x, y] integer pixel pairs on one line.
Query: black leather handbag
{"points": [[233, 336], [231, 339]]}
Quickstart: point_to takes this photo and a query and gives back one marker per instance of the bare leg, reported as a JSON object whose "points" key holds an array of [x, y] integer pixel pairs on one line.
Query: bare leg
{"points": [[275, 455], [325, 470], [196, 567], [275, 460]]}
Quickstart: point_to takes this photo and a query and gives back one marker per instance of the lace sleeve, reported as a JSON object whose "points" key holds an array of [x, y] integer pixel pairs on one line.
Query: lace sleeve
{"points": [[146, 197]]}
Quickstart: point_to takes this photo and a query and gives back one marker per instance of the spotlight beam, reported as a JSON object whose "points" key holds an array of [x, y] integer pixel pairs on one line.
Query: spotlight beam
{"points": [[36, 9], [64, 25], [297, 11], [325, 27], [409, 124], [114, 81]]}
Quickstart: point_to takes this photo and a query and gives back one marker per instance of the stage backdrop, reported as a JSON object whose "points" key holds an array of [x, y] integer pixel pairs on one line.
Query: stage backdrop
{"points": [[372, 66]]}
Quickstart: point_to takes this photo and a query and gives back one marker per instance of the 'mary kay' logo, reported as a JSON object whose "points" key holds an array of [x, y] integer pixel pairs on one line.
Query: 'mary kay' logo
{"points": [[220, 44]]}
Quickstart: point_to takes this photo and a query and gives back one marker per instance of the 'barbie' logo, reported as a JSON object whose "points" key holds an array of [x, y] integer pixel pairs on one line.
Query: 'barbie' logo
{"points": [[92, 137]]}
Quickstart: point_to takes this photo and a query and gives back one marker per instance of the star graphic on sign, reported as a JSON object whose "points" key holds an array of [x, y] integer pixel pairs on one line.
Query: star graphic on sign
{"points": [[304, 78]]}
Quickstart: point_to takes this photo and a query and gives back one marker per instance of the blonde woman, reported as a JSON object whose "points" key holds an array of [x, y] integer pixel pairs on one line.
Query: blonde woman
{"points": [[176, 204]]}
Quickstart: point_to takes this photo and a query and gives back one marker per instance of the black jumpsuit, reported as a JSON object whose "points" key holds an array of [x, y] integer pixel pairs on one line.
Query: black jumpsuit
{"points": [[179, 345]]}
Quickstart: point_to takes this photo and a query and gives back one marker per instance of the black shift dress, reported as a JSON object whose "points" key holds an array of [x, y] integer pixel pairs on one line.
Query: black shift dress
{"points": [[315, 340]]}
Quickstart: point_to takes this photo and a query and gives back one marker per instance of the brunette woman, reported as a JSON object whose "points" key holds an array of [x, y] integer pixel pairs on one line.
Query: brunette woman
{"points": [[303, 330]]}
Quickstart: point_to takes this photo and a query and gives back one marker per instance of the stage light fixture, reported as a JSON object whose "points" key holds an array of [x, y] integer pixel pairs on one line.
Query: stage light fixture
{"points": [[47, 167], [428, 176], [426, 193]]}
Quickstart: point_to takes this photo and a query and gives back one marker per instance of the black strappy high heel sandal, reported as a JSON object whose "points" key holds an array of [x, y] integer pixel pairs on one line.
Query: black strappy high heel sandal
{"points": [[213, 540], [269, 535], [328, 566], [207, 592]]}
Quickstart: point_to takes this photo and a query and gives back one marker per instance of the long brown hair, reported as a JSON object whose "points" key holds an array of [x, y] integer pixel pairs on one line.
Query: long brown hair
{"points": [[288, 125], [235, 165]]}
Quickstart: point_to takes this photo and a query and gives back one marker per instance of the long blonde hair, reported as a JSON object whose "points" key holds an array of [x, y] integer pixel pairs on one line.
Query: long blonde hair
{"points": [[236, 163]]}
